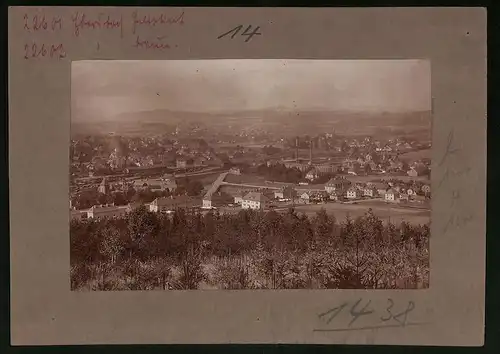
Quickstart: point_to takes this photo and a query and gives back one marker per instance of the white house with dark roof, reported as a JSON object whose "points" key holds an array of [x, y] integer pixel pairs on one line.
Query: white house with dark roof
{"points": [[206, 202], [370, 191], [353, 193], [337, 183], [305, 198], [254, 200], [391, 195], [336, 195], [238, 198]]}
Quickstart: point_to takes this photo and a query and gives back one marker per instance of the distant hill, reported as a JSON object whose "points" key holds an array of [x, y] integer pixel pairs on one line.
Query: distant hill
{"points": [[279, 120]]}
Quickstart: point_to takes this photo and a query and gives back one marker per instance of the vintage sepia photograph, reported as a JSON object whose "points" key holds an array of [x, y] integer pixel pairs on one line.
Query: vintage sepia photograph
{"points": [[250, 174]]}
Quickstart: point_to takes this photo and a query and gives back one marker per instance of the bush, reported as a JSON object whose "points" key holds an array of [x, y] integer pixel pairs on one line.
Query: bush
{"points": [[231, 273]]}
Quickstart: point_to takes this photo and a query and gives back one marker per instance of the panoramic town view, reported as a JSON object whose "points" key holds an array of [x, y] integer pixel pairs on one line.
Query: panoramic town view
{"points": [[250, 174]]}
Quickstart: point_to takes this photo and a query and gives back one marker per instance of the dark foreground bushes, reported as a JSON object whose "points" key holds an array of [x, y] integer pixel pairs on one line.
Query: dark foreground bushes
{"points": [[248, 250]]}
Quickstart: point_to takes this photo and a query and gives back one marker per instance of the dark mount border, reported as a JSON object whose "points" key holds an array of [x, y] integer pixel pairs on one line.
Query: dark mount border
{"points": [[493, 194]]}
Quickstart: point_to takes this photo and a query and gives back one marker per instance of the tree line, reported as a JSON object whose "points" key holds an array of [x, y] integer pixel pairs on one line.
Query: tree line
{"points": [[280, 173], [247, 250]]}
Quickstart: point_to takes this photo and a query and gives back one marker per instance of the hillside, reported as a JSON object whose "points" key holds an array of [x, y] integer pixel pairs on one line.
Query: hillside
{"points": [[280, 121]]}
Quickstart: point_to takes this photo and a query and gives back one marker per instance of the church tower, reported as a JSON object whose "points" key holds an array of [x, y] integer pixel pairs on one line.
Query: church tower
{"points": [[104, 186]]}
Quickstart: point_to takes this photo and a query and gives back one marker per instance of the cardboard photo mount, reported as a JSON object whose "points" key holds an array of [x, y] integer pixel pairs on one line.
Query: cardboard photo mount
{"points": [[43, 42]]}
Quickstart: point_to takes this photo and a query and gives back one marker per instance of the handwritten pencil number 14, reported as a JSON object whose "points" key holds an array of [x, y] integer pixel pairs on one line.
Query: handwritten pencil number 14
{"points": [[246, 33]]}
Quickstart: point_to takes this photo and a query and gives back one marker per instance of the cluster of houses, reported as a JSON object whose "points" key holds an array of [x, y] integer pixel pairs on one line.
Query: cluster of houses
{"points": [[198, 161], [360, 166], [337, 189], [145, 155], [357, 166], [385, 164], [159, 205], [340, 188], [165, 183], [156, 184], [100, 211], [191, 153]]}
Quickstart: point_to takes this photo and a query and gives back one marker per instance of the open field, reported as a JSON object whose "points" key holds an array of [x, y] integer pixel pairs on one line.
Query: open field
{"points": [[205, 178], [394, 213], [364, 179], [245, 179], [385, 212], [232, 190], [417, 155]]}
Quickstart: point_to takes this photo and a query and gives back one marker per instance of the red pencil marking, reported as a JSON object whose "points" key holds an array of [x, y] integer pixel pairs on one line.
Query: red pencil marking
{"points": [[39, 22], [26, 27], [162, 19], [51, 51], [103, 21], [56, 23], [150, 44]]}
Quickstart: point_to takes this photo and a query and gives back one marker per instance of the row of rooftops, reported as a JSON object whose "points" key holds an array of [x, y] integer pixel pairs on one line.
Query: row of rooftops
{"points": [[383, 189], [157, 202], [104, 206], [164, 201]]}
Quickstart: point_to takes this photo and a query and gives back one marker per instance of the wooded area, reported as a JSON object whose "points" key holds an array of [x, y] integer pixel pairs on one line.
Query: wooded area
{"points": [[248, 250]]}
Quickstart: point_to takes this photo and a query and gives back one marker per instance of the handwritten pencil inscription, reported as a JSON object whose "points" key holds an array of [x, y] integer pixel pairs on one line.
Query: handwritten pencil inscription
{"points": [[247, 32], [362, 315], [460, 211], [81, 23]]}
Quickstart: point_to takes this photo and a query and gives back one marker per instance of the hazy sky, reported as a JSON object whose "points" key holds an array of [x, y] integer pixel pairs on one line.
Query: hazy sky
{"points": [[102, 89]]}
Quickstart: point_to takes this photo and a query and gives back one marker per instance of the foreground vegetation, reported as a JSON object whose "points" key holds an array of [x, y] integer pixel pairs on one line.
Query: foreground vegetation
{"points": [[248, 250]]}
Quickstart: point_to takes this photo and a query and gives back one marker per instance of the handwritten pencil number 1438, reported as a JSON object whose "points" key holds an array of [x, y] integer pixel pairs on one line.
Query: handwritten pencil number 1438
{"points": [[248, 33]]}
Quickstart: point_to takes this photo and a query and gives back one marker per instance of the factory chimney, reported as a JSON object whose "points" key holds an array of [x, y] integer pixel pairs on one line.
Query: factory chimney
{"points": [[297, 149], [310, 152]]}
